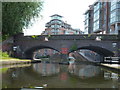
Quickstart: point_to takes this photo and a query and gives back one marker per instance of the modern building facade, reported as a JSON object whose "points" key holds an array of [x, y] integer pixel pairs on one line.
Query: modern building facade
{"points": [[88, 23], [115, 17], [103, 18], [57, 26]]}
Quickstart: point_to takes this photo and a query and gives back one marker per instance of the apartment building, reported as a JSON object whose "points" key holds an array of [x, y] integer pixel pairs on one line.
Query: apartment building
{"points": [[103, 18], [88, 23], [115, 17], [57, 26]]}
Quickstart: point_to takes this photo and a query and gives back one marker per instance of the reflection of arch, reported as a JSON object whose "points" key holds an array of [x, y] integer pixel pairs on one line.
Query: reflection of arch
{"points": [[99, 50], [46, 69], [29, 52]]}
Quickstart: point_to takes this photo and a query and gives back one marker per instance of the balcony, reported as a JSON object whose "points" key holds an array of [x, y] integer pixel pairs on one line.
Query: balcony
{"points": [[98, 30]]}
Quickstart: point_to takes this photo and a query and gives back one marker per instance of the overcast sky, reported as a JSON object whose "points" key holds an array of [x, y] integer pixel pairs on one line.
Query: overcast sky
{"points": [[72, 11]]}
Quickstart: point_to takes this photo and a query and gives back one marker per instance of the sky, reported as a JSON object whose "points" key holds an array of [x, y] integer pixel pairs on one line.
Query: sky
{"points": [[71, 10]]}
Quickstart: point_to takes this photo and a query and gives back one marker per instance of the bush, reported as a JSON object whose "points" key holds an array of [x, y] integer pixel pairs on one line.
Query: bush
{"points": [[74, 47], [4, 54]]}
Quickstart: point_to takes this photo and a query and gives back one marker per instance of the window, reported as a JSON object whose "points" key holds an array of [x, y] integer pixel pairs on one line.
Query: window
{"points": [[113, 7], [113, 14], [52, 22], [112, 20], [117, 18], [97, 6], [52, 26], [52, 30], [113, 2], [96, 15], [118, 4], [86, 30], [86, 22], [96, 25], [113, 17], [87, 16], [56, 17], [57, 26]]}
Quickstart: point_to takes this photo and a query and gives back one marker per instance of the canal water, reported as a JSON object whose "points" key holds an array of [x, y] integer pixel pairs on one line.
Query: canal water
{"points": [[47, 75]]}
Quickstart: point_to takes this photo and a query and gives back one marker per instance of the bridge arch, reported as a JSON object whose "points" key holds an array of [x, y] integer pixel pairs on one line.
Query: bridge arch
{"points": [[29, 52], [102, 51]]}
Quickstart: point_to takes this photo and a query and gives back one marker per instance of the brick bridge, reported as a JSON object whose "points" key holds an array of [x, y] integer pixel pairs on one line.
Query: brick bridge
{"points": [[105, 45]]}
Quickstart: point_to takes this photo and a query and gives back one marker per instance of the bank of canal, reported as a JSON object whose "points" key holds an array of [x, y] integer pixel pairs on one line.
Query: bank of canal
{"points": [[9, 61]]}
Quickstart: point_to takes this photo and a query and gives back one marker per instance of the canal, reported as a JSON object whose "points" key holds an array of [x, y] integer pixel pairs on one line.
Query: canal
{"points": [[48, 75]]}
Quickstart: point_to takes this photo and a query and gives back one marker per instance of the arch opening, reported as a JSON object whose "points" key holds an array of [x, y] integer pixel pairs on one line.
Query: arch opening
{"points": [[102, 51], [93, 53], [39, 52]]}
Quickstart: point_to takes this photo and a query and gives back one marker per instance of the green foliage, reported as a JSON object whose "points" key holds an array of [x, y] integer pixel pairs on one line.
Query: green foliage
{"points": [[3, 70], [49, 36], [4, 54], [74, 47], [18, 15], [84, 36], [89, 35], [34, 36]]}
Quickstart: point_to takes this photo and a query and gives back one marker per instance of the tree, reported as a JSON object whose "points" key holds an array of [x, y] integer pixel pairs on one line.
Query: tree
{"points": [[18, 15], [74, 47]]}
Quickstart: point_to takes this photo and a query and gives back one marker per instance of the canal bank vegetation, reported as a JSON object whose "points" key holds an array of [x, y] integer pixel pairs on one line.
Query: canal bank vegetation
{"points": [[3, 70], [4, 55], [6, 59]]}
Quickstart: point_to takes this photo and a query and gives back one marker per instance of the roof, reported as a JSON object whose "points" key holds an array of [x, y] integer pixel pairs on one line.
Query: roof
{"points": [[56, 15]]}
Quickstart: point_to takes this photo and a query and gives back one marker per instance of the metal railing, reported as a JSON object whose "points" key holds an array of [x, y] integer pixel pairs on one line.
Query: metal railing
{"points": [[112, 60]]}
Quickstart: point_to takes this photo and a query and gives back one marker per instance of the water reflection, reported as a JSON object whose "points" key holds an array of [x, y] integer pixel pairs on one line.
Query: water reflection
{"points": [[84, 71], [59, 76], [46, 69], [71, 68], [113, 76]]}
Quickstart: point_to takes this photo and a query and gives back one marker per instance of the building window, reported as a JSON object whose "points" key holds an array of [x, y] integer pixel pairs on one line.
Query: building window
{"points": [[96, 15], [118, 18], [96, 25], [56, 17], [86, 30], [52, 26], [113, 2], [115, 12], [97, 6], [114, 6], [86, 22], [87, 16], [57, 26], [52, 22], [52, 30], [113, 17], [59, 22]]}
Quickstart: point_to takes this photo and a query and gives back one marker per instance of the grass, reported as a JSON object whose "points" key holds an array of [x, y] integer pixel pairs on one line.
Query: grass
{"points": [[13, 59], [3, 70], [4, 54], [5, 57]]}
